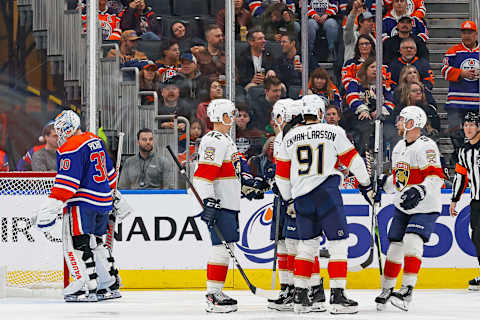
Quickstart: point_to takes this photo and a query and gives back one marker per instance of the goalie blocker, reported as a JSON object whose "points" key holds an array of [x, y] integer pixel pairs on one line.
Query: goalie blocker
{"points": [[84, 184]]}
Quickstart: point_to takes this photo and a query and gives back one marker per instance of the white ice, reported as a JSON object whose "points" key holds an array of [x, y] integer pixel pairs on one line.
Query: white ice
{"points": [[427, 304]]}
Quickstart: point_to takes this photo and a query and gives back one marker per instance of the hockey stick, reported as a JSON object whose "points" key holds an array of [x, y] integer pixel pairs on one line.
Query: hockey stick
{"points": [[256, 291], [275, 248], [112, 217]]}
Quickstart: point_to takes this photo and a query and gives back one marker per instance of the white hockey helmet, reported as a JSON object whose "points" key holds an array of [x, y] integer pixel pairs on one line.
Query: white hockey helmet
{"points": [[416, 114], [280, 110], [312, 103], [66, 124], [293, 110], [218, 107]]}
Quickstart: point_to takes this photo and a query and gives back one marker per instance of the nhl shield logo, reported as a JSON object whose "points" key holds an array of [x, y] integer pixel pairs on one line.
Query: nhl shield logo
{"points": [[402, 173]]}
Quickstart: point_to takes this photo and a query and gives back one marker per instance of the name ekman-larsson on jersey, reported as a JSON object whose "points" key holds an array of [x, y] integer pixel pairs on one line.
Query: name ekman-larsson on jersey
{"points": [[313, 134]]}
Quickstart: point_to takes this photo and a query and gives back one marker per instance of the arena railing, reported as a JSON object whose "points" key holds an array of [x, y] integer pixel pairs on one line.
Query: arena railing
{"points": [[164, 137], [40, 25], [25, 12], [55, 37], [73, 56]]}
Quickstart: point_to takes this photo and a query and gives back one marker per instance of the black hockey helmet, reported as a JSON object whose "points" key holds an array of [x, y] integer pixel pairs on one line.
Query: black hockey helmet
{"points": [[472, 117]]}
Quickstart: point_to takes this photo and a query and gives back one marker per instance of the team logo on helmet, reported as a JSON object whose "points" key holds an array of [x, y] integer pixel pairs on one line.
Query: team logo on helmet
{"points": [[402, 174]]}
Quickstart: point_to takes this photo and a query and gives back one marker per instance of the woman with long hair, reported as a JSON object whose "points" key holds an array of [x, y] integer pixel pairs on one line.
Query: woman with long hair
{"points": [[212, 89], [410, 74], [149, 80], [320, 84], [362, 99]]}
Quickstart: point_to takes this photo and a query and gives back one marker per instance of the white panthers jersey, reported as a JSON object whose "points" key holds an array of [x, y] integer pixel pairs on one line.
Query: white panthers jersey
{"points": [[215, 175], [414, 164], [308, 155]]}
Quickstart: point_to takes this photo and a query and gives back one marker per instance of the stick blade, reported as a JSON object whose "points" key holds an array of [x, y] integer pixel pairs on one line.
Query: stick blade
{"points": [[268, 294]]}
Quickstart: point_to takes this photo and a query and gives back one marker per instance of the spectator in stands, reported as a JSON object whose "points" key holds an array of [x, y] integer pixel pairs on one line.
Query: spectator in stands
{"points": [[278, 20], [399, 12], [332, 115], [408, 56], [189, 77], [141, 18], [171, 104], [108, 18], [262, 165], [3, 161], [364, 49], [146, 170], [179, 32], [255, 63], [361, 99], [257, 7], [322, 16], [414, 95], [289, 68], [214, 91], [170, 61], [149, 80], [248, 138], [211, 59], [262, 107], [366, 26], [320, 84], [415, 8], [46, 158], [129, 55], [408, 75], [197, 130], [25, 163], [243, 18], [461, 68], [391, 46]]}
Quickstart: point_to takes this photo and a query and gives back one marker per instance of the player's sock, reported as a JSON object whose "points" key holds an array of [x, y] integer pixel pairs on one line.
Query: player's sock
{"points": [[340, 304], [402, 297]]}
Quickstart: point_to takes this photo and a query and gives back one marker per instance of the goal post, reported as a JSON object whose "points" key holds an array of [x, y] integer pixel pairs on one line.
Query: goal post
{"points": [[31, 261]]}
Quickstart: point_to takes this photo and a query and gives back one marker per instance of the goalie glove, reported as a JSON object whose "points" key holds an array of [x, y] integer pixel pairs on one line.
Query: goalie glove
{"points": [[253, 187], [412, 196], [45, 217], [121, 208]]}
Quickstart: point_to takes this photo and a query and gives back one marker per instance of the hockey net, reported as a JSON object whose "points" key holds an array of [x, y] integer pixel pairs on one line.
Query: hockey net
{"points": [[31, 261]]}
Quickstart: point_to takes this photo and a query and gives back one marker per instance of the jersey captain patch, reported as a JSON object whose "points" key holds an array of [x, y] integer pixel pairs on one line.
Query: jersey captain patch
{"points": [[402, 174]]}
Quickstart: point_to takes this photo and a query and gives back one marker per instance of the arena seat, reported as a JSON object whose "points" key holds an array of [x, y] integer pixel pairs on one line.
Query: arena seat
{"points": [[190, 8], [162, 7], [215, 6]]}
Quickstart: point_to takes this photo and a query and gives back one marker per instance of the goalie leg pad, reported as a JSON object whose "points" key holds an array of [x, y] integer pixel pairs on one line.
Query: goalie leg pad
{"points": [[307, 250], [337, 266], [413, 246], [108, 278], [81, 263], [217, 268]]}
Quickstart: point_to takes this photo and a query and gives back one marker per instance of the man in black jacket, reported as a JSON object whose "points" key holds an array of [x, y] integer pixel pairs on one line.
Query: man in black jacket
{"points": [[141, 18]]}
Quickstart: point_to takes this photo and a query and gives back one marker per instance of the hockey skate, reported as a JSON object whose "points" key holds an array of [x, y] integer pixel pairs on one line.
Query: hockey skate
{"points": [[81, 296], [317, 296], [402, 298], [219, 302], [383, 298], [284, 302], [474, 284], [301, 302], [341, 304], [111, 292]]}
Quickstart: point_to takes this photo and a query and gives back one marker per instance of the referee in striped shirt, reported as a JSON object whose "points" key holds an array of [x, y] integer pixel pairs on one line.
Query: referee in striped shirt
{"points": [[468, 171]]}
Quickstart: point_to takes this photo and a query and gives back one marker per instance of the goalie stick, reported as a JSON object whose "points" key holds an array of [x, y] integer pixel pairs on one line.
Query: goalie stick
{"points": [[256, 291], [112, 218]]}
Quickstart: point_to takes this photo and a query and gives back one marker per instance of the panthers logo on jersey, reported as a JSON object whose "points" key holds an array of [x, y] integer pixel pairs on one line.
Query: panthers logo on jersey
{"points": [[402, 173]]}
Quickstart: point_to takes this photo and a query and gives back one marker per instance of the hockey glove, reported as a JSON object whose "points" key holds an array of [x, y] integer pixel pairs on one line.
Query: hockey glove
{"points": [[367, 192], [121, 208], [275, 190], [253, 188], [290, 204], [210, 211], [412, 196], [45, 218], [381, 180]]}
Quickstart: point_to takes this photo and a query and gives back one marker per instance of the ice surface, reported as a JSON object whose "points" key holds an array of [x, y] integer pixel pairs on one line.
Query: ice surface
{"points": [[427, 304]]}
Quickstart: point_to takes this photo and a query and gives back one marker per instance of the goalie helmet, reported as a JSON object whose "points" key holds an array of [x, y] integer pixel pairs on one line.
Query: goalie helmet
{"points": [[312, 103], [66, 124], [293, 110], [218, 107], [280, 110], [472, 117], [416, 114]]}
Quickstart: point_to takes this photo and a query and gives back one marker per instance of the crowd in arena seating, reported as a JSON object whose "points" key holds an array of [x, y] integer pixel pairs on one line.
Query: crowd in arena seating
{"points": [[187, 65]]}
